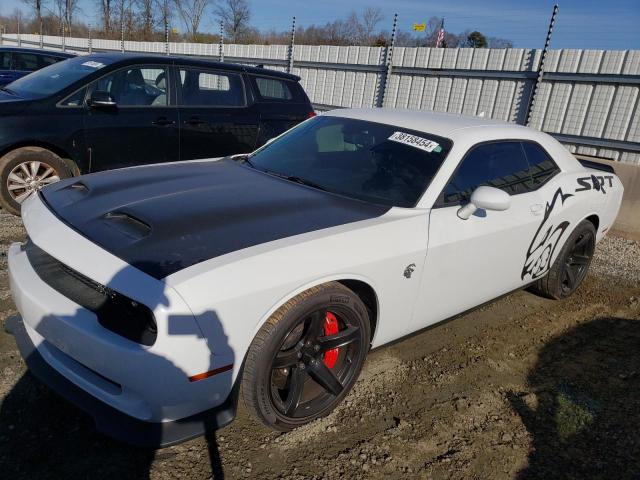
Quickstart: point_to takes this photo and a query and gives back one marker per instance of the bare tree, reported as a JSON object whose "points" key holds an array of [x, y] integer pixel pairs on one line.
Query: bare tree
{"points": [[105, 13], [36, 5], [191, 12], [371, 17], [235, 14], [146, 17]]}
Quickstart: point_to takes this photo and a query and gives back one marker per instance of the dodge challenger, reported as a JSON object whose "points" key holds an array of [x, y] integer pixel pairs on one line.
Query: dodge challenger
{"points": [[154, 297]]}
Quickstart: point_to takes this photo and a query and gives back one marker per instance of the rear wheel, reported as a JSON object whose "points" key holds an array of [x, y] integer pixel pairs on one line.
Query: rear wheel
{"points": [[306, 357], [25, 171], [571, 267]]}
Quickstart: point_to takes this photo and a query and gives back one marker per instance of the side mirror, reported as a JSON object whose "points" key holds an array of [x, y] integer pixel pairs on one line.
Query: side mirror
{"points": [[101, 99], [487, 198]]}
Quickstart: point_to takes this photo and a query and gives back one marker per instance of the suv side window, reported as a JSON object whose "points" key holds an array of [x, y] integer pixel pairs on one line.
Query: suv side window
{"points": [[5, 60], [273, 89], [46, 60], [25, 61], [137, 86], [497, 164], [210, 88], [541, 166]]}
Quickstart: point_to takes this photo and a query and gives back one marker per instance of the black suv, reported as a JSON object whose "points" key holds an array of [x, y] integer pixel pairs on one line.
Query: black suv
{"points": [[112, 110], [16, 62]]}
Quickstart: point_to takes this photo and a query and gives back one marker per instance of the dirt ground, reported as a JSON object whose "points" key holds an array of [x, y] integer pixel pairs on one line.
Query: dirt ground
{"points": [[522, 388]]}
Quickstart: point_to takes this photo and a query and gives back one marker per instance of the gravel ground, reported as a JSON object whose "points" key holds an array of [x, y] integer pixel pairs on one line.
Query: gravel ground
{"points": [[522, 388]]}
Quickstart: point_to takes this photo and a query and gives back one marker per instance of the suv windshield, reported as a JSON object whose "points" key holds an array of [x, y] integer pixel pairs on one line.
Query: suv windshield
{"points": [[52, 79], [369, 161]]}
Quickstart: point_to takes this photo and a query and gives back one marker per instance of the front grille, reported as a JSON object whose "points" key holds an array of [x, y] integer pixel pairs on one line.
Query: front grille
{"points": [[115, 311]]}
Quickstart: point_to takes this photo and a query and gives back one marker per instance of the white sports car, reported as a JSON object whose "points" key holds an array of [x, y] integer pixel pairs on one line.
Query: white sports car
{"points": [[151, 296]]}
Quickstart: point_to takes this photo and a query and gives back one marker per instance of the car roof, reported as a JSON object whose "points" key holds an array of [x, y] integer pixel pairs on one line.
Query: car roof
{"points": [[127, 58], [436, 123], [37, 51]]}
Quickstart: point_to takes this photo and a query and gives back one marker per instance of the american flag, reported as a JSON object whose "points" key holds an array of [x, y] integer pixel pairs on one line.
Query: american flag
{"points": [[440, 38]]}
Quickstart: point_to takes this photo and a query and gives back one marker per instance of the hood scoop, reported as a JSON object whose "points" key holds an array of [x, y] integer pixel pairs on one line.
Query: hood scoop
{"points": [[125, 223]]}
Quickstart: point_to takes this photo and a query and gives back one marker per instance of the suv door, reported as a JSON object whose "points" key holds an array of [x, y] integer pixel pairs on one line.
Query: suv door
{"points": [[283, 104], [470, 262], [216, 119], [143, 125]]}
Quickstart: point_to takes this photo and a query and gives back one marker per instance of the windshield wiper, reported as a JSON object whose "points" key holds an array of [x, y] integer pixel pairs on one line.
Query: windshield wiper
{"points": [[5, 89], [293, 178]]}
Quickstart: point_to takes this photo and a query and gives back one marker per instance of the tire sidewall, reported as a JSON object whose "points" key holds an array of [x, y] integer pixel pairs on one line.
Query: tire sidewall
{"points": [[583, 227], [340, 298], [13, 159]]}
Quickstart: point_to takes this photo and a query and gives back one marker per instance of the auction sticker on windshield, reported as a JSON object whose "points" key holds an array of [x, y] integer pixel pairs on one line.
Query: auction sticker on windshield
{"points": [[416, 142]]}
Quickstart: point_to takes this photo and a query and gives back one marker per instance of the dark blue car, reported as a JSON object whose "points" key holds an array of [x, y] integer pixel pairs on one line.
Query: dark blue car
{"points": [[16, 62]]}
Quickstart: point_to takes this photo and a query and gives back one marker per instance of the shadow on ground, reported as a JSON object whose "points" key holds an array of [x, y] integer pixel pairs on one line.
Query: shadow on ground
{"points": [[584, 409], [43, 436]]}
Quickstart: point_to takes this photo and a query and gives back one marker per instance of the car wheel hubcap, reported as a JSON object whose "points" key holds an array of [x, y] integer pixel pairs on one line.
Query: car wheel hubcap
{"points": [[577, 262], [316, 360], [29, 177]]}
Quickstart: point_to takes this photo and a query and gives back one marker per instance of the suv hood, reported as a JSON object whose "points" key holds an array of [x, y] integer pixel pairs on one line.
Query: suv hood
{"points": [[164, 218], [11, 103]]}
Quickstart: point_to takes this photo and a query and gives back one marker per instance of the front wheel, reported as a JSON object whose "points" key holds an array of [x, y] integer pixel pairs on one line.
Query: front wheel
{"points": [[25, 171], [306, 357], [570, 268]]}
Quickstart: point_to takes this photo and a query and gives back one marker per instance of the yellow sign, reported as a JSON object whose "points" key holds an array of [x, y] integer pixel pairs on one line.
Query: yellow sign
{"points": [[419, 27], [174, 30]]}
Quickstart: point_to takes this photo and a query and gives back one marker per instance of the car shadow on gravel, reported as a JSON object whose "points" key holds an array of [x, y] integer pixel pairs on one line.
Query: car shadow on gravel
{"points": [[44, 436], [583, 405]]}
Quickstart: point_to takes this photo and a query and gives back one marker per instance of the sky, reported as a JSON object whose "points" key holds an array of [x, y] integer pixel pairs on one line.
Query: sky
{"points": [[609, 24]]}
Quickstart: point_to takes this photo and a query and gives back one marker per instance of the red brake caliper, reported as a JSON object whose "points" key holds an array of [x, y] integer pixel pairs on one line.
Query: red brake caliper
{"points": [[330, 328]]}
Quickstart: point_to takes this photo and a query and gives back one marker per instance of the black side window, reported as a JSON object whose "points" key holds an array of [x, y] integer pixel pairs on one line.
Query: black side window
{"points": [[5, 60], [541, 166], [203, 88], [273, 89], [25, 61], [499, 164], [47, 60]]}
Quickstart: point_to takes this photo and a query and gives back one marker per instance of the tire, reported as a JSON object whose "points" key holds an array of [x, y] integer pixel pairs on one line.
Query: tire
{"points": [[572, 265], [49, 168], [285, 382]]}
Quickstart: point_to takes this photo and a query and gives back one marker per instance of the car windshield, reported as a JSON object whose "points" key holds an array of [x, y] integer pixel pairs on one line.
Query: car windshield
{"points": [[368, 161], [52, 79]]}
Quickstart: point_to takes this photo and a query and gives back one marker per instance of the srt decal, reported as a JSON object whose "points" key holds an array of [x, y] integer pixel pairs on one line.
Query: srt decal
{"points": [[546, 239], [595, 182]]}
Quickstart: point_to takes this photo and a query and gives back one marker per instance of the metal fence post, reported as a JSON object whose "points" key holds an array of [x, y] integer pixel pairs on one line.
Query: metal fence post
{"points": [[166, 28], [388, 63], [64, 37], [19, 36], [90, 42], [292, 44], [41, 38], [534, 90], [122, 27], [1, 34], [221, 44]]}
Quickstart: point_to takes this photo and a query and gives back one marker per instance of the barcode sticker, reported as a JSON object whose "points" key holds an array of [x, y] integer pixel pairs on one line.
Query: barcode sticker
{"points": [[415, 141]]}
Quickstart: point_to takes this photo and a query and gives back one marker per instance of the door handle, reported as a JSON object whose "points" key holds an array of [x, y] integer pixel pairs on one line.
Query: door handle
{"points": [[163, 121], [537, 208], [195, 121]]}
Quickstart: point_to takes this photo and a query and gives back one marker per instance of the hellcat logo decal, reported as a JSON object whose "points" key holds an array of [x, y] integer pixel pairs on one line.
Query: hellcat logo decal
{"points": [[546, 239]]}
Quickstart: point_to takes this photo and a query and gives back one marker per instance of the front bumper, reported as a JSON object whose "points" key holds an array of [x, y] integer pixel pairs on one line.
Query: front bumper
{"points": [[115, 423]]}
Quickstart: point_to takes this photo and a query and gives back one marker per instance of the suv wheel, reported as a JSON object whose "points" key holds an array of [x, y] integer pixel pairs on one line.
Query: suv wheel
{"points": [[25, 171]]}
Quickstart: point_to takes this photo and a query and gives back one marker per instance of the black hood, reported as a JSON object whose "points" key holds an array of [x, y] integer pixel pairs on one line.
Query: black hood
{"points": [[164, 218]]}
